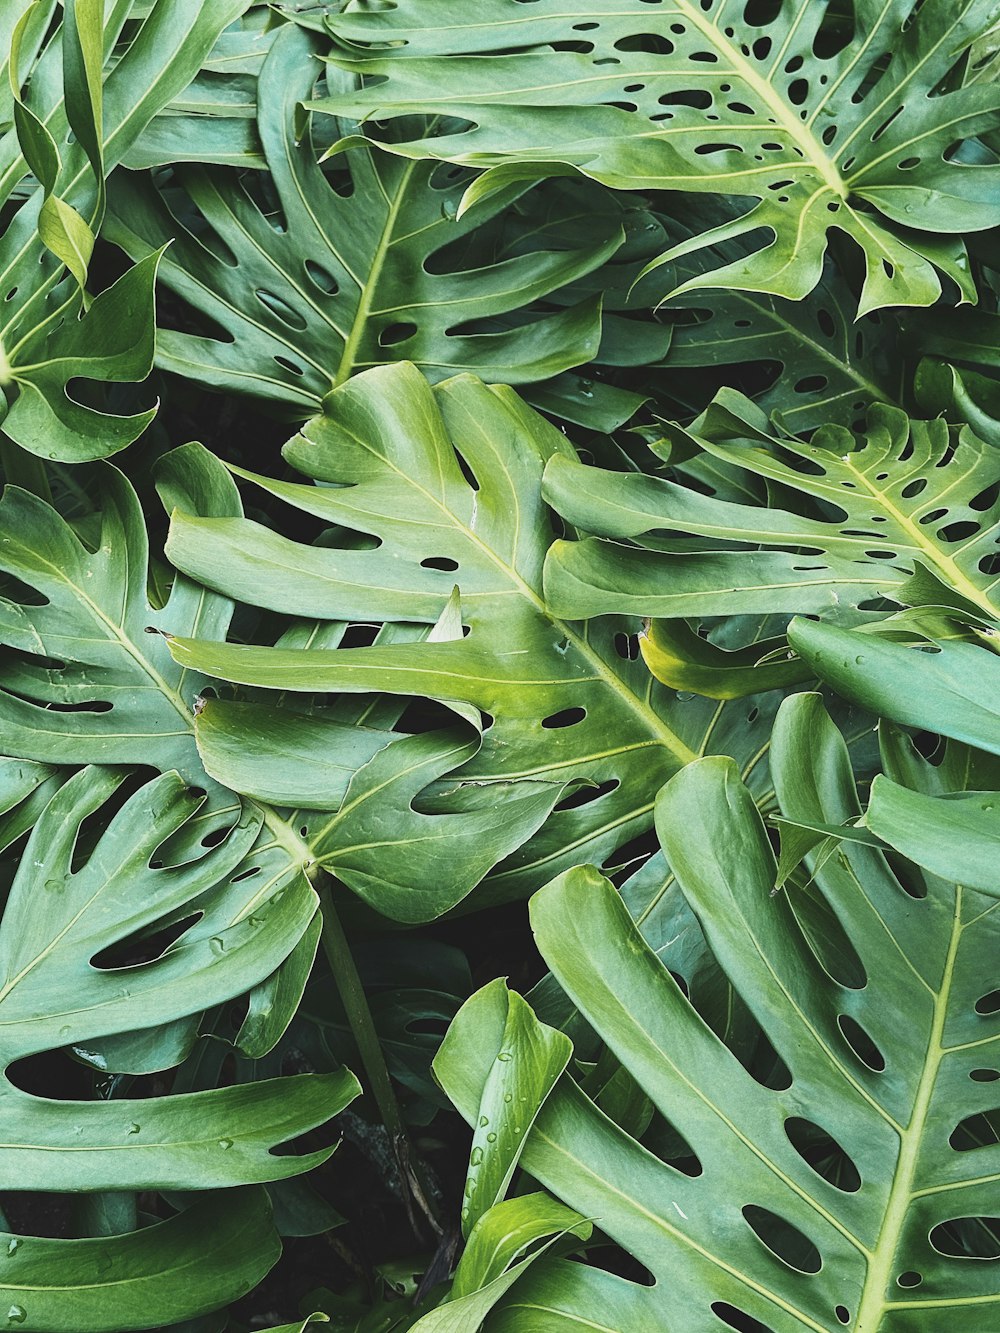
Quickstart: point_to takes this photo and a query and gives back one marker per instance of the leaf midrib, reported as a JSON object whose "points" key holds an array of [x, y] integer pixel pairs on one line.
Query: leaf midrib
{"points": [[650, 720], [884, 1256]]}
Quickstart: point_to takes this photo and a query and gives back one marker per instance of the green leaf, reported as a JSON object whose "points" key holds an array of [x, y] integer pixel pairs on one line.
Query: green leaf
{"points": [[62, 916], [208, 1255], [358, 273], [867, 517], [69, 125], [684, 660], [949, 688], [807, 123], [89, 683], [530, 1058], [502, 1233], [790, 1235], [568, 702], [954, 838]]}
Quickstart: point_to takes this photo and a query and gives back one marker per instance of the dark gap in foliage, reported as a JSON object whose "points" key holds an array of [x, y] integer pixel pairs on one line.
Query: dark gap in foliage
{"points": [[738, 1319], [976, 1131], [861, 1043], [143, 946], [783, 1238], [821, 1151]]}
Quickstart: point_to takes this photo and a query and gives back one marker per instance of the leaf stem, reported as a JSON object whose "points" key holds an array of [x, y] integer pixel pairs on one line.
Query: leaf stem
{"points": [[359, 1017]]}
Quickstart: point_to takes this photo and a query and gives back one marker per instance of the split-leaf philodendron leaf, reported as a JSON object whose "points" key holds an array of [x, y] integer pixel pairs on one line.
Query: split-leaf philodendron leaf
{"points": [[828, 131], [852, 1190], [447, 483]]}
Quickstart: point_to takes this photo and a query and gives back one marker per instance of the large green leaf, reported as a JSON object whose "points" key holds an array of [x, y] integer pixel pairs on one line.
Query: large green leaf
{"points": [[71, 130], [331, 272], [567, 703], [855, 1192], [62, 916], [825, 130], [867, 517], [204, 1257]]}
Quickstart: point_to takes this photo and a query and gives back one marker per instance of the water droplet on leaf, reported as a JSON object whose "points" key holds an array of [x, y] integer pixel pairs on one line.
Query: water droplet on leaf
{"points": [[133, 1128], [17, 1314], [13, 1245], [225, 1143], [477, 1157]]}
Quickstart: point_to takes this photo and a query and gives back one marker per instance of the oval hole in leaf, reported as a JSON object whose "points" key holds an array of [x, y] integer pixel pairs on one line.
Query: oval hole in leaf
{"points": [[394, 334], [442, 562], [821, 1151], [988, 1003], [981, 1130], [566, 717], [738, 1319], [320, 278], [909, 1279], [790, 1244], [586, 795], [861, 1043], [968, 1238]]}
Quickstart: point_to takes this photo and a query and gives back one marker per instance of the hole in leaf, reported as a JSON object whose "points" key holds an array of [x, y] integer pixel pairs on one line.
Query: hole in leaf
{"points": [[143, 946], [861, 1043], [442, 562], [320, 278], [913, 488], [798, 91], [842, 1313], [738, 1319], [968, 1238], [821, 1151], [393, 334], [909, 1279], [783, 1239], [981, 1130], [627, 646], [699, 98], [811, 384], [287, 364], [908, 163], [586, 795], [566, 717]]}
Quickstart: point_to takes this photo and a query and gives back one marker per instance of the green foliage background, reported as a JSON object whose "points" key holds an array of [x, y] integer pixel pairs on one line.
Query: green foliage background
{"points": [[499, 606]]}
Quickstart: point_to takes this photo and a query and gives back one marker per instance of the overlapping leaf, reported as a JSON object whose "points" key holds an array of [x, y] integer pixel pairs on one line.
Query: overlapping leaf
{"points": [[335, 272], [868, 517], [71, 131], [568, 705], [826, 130], [857, 1190]]}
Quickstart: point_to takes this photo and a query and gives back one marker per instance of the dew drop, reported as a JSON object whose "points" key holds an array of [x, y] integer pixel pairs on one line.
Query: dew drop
{"points": [[517, 1129], [133, 1128], [508, 1096], [477, 1157], [483, 1121], [225, 1143], [465, 1214], [504, 1056], [17, 1314], [218, 944], [859, 660], [13, 1245], [491, 1137]]}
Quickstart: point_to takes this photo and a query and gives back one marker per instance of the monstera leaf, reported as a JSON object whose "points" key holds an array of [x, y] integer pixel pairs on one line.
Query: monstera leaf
{"points": [[826, 130], [347, 274], [194, 1262], [71, 130], [908, 513], [441, 487], [77, 907], [853, 1191]]}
